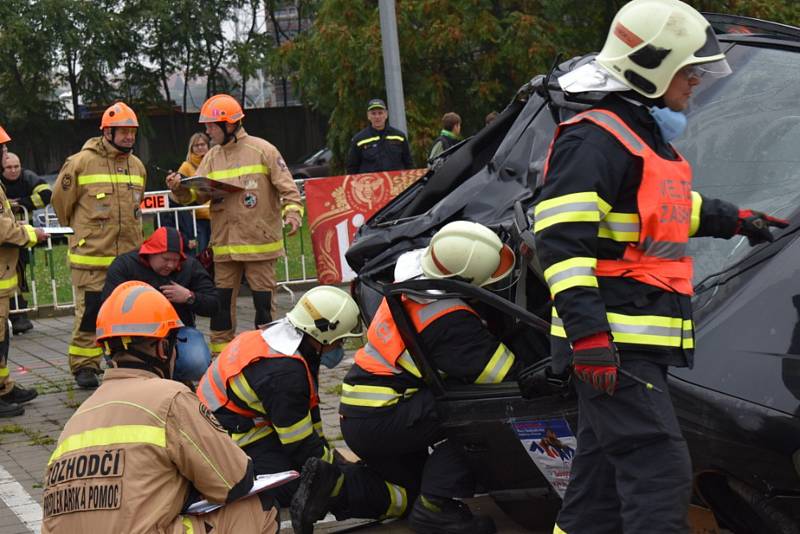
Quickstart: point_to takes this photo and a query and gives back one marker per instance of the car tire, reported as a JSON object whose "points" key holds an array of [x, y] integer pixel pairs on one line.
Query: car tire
{"points": [[741, 508]]}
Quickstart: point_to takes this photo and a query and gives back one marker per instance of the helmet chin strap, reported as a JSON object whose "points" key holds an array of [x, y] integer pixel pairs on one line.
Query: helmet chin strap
{"points": [[229, 135], [124, 149]]}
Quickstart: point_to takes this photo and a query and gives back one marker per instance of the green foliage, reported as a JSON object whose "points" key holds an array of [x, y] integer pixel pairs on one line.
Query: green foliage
{"points": [[468, 56]]}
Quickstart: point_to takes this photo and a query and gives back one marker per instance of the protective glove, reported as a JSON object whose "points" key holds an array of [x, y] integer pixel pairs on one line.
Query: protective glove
{"points": [[755, 225], [595, 360]]}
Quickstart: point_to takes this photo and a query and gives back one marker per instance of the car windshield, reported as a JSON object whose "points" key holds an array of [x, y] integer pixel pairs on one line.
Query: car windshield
{"points": [[743, 142]]}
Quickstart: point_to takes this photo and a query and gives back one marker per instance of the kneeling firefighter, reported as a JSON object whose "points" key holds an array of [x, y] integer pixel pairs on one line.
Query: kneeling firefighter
{"points": [[263, 386], [145, 442], [384, 396]]}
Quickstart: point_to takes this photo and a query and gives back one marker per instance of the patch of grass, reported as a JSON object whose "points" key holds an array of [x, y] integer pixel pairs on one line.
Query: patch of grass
{"points": [[36, 485], [38, 438], [71, 401], [297, 247], [54, 386], [10, 429]]}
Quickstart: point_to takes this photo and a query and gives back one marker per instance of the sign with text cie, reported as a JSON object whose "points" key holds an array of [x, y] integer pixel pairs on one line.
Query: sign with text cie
{"points": [[154, 201], [338, 205]]}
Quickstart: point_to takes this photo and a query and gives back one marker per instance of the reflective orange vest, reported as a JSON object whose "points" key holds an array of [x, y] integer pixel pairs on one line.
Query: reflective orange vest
{"points": [[245, 349], [664, 203], [384, 347]]}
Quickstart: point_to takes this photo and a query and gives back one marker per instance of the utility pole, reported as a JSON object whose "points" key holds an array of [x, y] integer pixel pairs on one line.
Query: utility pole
{"points": [[391, 65]]}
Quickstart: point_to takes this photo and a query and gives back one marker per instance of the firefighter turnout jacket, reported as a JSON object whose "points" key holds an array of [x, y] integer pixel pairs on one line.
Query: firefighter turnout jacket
{"points": [[97, 193], [28, 190], [611, 224], [255, 391], [129, 457], [13, 235], [461, 348], [246, 225], [374, 150]]}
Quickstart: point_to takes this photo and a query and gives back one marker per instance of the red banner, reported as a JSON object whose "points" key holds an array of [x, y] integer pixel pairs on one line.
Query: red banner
{"points": [[338, 205]]}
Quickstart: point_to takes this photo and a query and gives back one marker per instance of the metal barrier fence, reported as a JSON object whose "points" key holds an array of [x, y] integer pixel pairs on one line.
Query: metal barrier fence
{"points": [[296, 267]]}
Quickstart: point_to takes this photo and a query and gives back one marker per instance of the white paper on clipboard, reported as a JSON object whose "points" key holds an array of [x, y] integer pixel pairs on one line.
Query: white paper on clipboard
{"points": [[57, 230], [261, 483]]}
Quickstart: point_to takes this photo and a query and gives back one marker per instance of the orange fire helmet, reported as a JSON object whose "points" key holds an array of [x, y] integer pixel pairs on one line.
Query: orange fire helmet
{"points": [[221, 108], [4, 137], [119, 115], [136, 309]]}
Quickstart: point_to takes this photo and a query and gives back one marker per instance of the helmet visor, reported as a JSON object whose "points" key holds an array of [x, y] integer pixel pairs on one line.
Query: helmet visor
{"points": [[715, 69]]}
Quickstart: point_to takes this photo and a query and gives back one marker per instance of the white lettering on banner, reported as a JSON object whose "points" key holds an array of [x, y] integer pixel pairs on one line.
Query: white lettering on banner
{"points": [[343, 240], [154, 201]]}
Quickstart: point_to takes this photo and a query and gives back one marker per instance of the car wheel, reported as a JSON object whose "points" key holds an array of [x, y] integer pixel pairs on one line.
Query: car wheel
{"points": [[741, 508]]}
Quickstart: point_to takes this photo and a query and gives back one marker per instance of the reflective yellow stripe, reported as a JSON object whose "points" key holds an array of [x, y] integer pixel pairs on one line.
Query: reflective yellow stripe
{"points": [[111, 435], [297, 432], [31, 233], [327, 455], [100, 261], [236, 172], [657, 330], [575, 207], [557, 530], [192, 195], [398, 500], [623, 227], [36, 200], [368, 140], [406, 362], [338, 487], [89, 352], [241, 388], [9, 283], [88, 179], [569, 273], [218, 347], [697, 204], [4, 372], [318, 429], [41, 187], [251, 436], [187, 525], [372, 396], [498, 366], [292, 207], [222, 250], [395, 138]]}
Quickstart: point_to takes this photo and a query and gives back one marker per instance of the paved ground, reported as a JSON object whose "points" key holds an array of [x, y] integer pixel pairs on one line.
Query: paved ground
{"points": [[37, 359]]}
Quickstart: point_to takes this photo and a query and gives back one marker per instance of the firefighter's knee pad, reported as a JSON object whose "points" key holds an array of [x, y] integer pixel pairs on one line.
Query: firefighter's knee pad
{"points": [[262, 300], [222, 319], [90, 309]]}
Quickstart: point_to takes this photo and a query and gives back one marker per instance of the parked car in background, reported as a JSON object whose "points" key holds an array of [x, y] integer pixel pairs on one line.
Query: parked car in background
{"points": [[314, 166], [739, 407]]}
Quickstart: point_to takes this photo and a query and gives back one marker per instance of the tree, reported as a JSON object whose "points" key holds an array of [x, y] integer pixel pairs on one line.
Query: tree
{"points": [[468, 56]]}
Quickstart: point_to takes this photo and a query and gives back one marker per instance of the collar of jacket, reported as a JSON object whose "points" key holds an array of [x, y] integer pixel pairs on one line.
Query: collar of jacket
{"points": [[121, 373], [238, 136], [106, 149], [451, 135]]}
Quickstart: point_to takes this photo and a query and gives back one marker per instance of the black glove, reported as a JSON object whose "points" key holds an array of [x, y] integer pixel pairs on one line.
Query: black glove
{"points": [[755, 225], [539, 380]]}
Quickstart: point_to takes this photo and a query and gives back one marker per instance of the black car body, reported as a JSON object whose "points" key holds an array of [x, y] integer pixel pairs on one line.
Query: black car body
{"points": [[739, 406]]}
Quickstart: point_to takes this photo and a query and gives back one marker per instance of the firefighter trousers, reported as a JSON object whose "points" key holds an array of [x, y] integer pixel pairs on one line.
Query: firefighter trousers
{"points": [[82, 350], [245, 516], [6, 383], [394, 444], [631, 472], [356, 497], [260, 277]]}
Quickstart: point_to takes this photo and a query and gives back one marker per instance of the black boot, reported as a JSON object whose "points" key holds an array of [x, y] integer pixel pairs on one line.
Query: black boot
{"points": [[20, 323], [312, 498], [86, 378], [19, 395], [10, 409], [435, 515]]}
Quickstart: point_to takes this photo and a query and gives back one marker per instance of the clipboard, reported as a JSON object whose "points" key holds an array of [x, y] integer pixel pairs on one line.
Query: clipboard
{"points": [[215, 188], [261, 483]]}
